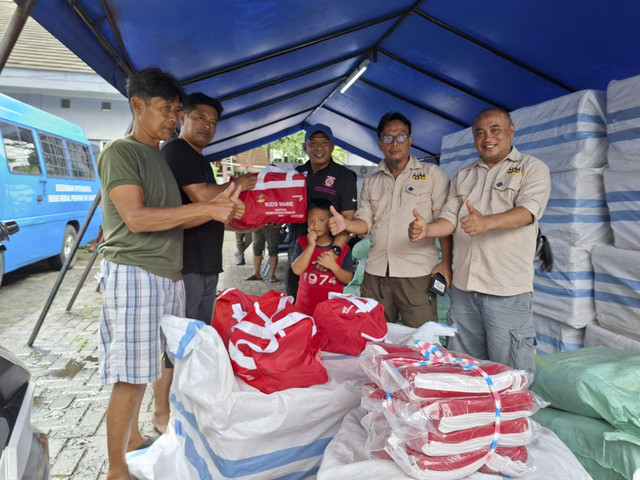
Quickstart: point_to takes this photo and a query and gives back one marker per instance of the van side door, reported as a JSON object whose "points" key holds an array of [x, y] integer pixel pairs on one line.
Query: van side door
{"points": [[23, 193]]}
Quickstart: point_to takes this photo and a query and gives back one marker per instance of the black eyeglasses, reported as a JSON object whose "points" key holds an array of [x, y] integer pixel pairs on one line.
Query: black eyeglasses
{"points": [[388, 139]]}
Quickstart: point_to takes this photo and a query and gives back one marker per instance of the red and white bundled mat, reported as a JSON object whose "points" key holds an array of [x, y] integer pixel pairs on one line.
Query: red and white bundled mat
{"points": [[280, 196], [450, 414], [443, 415], [272, 346]]}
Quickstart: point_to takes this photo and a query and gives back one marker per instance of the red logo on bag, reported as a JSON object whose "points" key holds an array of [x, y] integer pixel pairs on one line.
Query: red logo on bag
{"points": [[329, 181]]}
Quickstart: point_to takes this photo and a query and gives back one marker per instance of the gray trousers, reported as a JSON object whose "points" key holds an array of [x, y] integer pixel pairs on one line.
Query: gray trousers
{"points": [[243, 240], [494, 328], [200, 289]]}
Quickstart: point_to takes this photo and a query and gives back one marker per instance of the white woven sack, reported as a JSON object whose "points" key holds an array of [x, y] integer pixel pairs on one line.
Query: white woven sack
{"points": [[221, 428]]}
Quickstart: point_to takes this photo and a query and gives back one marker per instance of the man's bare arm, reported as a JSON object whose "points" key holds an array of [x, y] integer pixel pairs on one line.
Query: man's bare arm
{"points": [[129, 201]]}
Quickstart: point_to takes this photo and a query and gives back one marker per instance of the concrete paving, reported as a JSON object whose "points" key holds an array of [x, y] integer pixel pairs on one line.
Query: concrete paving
{"points": [[70, 403]]}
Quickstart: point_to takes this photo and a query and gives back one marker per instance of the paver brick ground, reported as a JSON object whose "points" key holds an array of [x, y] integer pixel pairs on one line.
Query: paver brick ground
{"points": [[70, 403]]}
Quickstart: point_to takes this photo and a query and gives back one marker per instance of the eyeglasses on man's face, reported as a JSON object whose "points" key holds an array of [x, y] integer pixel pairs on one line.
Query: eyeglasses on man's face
{"points": [[388, 139]]}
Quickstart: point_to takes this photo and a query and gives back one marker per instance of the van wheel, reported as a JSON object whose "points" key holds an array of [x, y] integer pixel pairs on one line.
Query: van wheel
{"points": [[68, 239]]}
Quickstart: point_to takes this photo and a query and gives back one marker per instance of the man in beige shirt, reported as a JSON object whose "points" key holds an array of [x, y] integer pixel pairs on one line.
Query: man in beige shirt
{"points": [[493, 210], [398, 272]]}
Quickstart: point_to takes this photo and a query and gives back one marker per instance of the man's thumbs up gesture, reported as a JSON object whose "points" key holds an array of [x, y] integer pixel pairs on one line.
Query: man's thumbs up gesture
{"points": [[227, 206], [417, 228], [337, 222], [475, 223]]}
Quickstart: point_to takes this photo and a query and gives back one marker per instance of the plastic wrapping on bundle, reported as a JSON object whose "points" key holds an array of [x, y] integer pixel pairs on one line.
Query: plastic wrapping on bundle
{"points": [[514, 462], [420, 390], [455, 413], [398, 367]]}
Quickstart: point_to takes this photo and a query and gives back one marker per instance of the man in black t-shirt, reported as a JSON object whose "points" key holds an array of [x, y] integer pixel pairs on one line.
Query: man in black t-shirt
{"points": [[325, 179], [202, 255]]}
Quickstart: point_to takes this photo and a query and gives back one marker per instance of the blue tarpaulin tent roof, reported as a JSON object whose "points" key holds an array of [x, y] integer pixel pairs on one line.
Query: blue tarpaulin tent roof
{"points": [[278, 66]]}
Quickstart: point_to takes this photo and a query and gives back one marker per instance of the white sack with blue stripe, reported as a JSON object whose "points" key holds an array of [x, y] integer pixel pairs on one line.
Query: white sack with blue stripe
{"points": [[622, 191], [566, 133], [553, 336], [623, 124], [617, 289], [222, 428], [595, 335], [577, 212], [565, 294]]}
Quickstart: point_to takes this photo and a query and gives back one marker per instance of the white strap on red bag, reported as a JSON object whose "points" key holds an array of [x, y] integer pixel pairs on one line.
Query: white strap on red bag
{"points": [[288, 182], [270, 331], [364, 305], [238, 313]]}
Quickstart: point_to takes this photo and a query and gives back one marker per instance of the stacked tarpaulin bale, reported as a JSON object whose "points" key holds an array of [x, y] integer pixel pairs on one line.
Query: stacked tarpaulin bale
{"points": [[569, 135], [617, 264]]}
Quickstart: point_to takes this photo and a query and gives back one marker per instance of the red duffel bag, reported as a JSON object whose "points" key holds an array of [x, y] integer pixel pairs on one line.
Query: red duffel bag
{"points": [[280, 196], [232, 306], [346, 323], [274, 347]]}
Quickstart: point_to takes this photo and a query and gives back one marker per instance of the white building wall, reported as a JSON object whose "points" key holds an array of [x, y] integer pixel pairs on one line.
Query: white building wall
{"points": [[97, 124], [85, 91]]}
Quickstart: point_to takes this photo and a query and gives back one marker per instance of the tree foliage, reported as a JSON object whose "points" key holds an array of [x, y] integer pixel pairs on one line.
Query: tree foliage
{"points": [[289, 149]]}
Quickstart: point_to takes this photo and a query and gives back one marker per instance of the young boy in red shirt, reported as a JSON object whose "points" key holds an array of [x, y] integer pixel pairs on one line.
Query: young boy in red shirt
{"points": [[322, 267]]}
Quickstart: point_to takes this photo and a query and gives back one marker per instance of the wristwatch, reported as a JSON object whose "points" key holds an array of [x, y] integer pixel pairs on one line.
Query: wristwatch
{"points": [[337, 250]]}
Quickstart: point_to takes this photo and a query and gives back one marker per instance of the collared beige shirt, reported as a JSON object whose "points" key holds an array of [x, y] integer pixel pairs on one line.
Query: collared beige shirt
{"points": [[497, 262], [386, 205]]}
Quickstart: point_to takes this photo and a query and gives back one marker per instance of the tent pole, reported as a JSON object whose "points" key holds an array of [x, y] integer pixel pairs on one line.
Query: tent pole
{"points": [[11, 34], [85, 274]]}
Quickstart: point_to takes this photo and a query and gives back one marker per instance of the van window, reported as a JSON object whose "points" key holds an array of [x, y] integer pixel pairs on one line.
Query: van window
{"points": [[20, 149], [81, 161], [55, 160]]}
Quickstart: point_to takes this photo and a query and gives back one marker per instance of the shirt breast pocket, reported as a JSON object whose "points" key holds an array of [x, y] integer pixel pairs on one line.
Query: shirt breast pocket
{"points": [[419, 197], [505, 191]]}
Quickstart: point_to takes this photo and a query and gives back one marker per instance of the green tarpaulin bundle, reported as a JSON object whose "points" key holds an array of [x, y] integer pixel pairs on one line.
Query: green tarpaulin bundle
{"points": [[607, 454], [596, 382]]}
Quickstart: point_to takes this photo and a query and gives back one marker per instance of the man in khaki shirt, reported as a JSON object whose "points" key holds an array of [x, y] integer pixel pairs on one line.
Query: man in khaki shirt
{"points": [[493, 210], [398, 272]]}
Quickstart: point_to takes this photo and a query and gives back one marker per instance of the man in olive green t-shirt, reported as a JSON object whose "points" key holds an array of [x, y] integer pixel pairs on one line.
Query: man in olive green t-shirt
{"points": [[143, 218]]}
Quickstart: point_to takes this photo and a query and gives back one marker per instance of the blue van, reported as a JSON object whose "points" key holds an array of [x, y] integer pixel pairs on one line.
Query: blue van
{"points": [[48, 181]]}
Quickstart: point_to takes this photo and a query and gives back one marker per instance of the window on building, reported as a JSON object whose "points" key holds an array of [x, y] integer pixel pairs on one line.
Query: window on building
{"points": [[55, 159], [19, 149], [65, 103], [106, 106], [81, 161]]}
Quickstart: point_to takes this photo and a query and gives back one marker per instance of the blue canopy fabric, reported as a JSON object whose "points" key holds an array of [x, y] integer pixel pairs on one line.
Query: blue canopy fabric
{"points": [[278, 66]]}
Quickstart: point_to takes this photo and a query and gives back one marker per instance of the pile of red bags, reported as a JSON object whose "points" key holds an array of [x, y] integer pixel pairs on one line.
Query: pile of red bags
{"points": [[433, 413], [272, 346]]}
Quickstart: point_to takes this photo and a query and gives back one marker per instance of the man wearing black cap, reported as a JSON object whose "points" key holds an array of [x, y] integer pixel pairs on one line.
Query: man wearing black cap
{"points": [[325, 179]]}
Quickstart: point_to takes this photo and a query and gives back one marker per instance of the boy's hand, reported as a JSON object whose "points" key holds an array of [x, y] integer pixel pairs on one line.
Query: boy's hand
{"points": [[327, 261], [312, 237]]}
